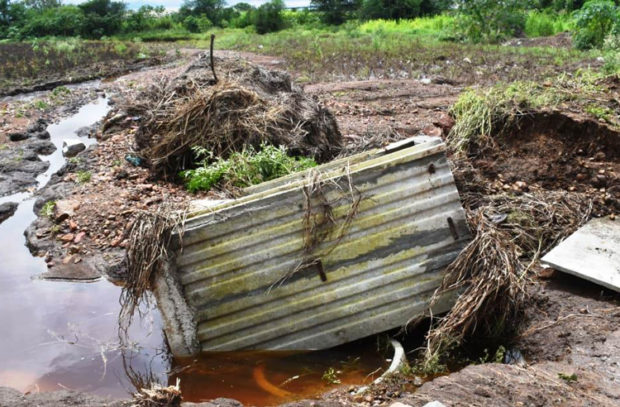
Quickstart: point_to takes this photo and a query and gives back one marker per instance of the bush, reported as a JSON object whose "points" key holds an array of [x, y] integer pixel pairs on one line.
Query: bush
{"points": [[242, 169], [197, 24], [268, 17], [594, 22], [490, 20]]}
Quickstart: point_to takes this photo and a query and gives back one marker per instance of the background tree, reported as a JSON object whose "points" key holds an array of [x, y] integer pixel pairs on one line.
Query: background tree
{"points": [[102, 17], [42, 4], [335, 12], [268, 17], [491, 20], [212, 9], [594, 22]]}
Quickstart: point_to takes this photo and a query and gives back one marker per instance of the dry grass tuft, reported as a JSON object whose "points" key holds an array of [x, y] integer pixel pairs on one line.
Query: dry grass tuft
{"points": [[158, 396], [491, 280]]}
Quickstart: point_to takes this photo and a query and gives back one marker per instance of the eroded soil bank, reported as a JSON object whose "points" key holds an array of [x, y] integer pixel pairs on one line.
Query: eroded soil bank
{"points": [[570, 335]]}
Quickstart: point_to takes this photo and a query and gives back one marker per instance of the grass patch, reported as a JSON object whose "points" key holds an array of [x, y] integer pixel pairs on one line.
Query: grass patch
{"points": [[568, 378], [242, 169], [480, 114], [543, 24]]}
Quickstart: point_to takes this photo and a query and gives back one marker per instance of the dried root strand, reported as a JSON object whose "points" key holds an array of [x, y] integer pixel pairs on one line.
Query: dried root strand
{"points": [[511, 233], [149, 239]]}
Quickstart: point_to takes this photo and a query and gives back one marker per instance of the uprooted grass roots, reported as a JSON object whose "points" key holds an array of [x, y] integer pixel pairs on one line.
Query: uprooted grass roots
{"points": [[511, 232], [149, 239], [249, 108]]}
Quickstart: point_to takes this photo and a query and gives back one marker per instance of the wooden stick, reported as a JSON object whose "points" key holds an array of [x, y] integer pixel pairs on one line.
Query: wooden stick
{"points": [[211, 56]]}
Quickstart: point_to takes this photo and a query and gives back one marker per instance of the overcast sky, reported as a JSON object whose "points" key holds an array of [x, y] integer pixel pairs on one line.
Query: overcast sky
{"points": [[175, 4]]}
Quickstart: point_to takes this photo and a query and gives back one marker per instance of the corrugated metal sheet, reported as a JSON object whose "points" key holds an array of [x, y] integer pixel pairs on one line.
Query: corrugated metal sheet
{"points": [[372, 274]]}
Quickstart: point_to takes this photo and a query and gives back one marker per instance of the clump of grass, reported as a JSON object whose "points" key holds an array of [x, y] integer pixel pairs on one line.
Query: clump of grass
{"points": [[242, 169], [48, 209], [82, 177]]}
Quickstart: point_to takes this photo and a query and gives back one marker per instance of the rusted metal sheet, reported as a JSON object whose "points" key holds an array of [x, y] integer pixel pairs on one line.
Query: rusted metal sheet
{"points": [[349, 249]]}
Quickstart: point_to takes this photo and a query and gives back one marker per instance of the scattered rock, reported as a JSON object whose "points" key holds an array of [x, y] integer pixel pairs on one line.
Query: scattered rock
{"points": [[434, 404], [65, 209], [7, 210], [42, 135], [43, 147], [72, 147], [18, 136]]}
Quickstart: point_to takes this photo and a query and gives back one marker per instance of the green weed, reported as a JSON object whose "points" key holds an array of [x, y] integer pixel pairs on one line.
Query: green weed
{"points": [[242, 169], [83, 177], [47, 209], [568, 378], [330, 376]]}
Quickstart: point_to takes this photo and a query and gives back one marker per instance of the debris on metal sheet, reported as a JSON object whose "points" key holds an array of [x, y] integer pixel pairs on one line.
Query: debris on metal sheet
{"points": [[592, 253], [342, 251]]}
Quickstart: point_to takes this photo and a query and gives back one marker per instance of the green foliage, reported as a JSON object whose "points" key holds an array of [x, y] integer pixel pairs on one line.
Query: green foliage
{"points": [[390, 9], [61, 21], [490, 20], [439, 26], [268, 17], [211, 9], [594, 22], [47, 209], [542, 24], [242, 169]]}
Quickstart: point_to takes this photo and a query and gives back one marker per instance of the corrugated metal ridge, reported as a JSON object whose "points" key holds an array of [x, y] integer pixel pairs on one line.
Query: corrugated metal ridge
{"points": [[379, 205], [258, 267], [323, 314], [195, 219], [342, 286], [382, 271], [280, 213]]}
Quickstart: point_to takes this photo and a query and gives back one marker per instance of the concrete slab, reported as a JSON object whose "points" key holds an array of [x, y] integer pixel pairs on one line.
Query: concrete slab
{"points": [[592, 253]]}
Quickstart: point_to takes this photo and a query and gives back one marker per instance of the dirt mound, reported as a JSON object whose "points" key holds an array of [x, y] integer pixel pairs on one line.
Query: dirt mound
{"points": [[248, 106], [555, 151]]}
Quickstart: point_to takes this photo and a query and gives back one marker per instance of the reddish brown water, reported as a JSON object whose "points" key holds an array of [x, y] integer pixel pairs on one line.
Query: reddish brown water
{"points": [[63, 335], [270, 378]]}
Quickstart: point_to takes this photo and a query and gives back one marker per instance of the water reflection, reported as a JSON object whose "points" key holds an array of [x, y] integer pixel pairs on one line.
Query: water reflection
{"points": [[59, 334]]}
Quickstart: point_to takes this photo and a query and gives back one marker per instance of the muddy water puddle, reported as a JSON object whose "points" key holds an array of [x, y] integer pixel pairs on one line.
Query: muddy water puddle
{"points": [[59, 335], [270, 378], [64, 335]]}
